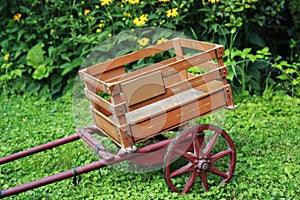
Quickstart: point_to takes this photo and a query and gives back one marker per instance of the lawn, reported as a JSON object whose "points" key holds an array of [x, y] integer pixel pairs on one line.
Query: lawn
{"points": [[266, 133]]}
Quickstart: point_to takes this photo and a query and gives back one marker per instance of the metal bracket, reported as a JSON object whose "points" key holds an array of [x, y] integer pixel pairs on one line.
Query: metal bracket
{"points": [[231, 107], [131, 149]]}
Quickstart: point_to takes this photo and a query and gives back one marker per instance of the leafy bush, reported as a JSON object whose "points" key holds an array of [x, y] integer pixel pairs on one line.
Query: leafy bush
{"points": [[43, 43], [289, 76], [265, 133]]}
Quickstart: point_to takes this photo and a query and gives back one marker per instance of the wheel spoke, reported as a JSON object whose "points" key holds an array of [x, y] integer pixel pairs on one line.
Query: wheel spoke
{"points": [[197, 143], [211, 143], [190, 157], [190, 183], [198, 158], [218, 172], [219, 155], [186, 168], [203, 177]]}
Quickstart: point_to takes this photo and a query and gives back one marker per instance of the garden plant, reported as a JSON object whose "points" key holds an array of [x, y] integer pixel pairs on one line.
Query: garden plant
{"points": [[44, 43]]}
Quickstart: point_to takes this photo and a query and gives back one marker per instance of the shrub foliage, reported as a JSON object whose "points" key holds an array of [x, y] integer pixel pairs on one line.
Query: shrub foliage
{"points": [[43, 43]]}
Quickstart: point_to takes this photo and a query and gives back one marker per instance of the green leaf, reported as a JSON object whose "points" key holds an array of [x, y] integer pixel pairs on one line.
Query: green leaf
{"points": [[55, 79], [230, 75], [56, 83], [33, 87], [51, 49], [20, 33], [70, 66], [282, 77], [40, 72], [252, 57], [17, 72], [254, 38], [3, 4], [290, 70], [233, 30], [35, 55], [5, 77], [245, 52], [65, 56], [296, 81]]}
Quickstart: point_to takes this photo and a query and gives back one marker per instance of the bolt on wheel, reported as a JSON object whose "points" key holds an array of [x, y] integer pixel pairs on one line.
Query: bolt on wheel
{"points": [[202, 154]]}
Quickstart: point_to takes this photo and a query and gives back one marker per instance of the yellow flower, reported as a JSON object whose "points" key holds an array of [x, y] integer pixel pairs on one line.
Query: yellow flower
{"points": [[126, 14], [172, 13], [133, 1], [101, 25], [106, 2], [97, 7], [98, 30], [140, 21], [164, 1], [143, 42], [17, 16], [6, 57], [109, 35], [86, 11], [213, 1], [161, 40]]}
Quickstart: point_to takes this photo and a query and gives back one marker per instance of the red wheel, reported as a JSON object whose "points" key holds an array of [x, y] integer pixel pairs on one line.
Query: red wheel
{"points": [[202, 154]]}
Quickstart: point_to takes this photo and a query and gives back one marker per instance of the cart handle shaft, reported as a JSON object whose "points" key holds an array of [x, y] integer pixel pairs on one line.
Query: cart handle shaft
{"points": [[40, 148]]}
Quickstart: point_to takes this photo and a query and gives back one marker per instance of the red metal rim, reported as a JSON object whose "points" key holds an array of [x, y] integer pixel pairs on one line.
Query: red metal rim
{"points": [[194, 157]]}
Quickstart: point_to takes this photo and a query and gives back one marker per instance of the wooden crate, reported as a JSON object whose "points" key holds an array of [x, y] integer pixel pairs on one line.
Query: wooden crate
{"points": [[159, 97]]}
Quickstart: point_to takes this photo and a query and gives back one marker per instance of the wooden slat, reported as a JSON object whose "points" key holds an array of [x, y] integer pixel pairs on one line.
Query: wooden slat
{"points": [[210, 65], [162, 105], [88, 79], [111, 74], [141, 71], [198, 45], [180, 65], [104, 104], [182, 86], [105, 124], [128, 58], [175, 78], [179, 114]]}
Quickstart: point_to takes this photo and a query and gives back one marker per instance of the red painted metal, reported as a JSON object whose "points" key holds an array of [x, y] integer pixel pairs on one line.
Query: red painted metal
{"points": [[94, 144], [37, 149], [199, 160], [152, 154], [79, 170], [60, 176]]}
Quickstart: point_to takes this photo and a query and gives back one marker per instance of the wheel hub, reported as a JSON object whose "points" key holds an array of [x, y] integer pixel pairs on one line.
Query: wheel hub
{"points": [[202, 165]]}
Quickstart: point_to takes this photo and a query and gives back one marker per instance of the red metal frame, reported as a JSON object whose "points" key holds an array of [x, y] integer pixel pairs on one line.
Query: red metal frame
{"points": [[86, 135]]}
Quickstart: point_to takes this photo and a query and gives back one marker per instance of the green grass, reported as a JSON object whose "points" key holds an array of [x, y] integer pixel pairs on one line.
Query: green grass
{"points": [[265, 132]]}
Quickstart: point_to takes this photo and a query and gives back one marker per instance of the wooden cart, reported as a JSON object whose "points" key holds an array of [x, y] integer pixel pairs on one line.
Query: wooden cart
{"points": [[131, 106]]}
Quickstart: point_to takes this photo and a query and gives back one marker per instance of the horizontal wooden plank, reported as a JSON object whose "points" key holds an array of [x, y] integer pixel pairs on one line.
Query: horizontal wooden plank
{"points": [[93, 81], [185, 85], [210, 65], [110, 74], [202, 46], [162, 105], [179, 115], [108, 127], [179, 65], [104, 104], [128, 58], [141, 71]]}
